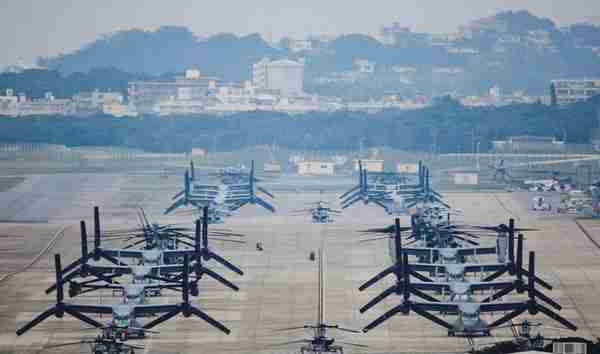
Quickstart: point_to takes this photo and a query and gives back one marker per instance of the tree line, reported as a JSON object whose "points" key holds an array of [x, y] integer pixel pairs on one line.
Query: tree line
{"points": [[446, 127]]}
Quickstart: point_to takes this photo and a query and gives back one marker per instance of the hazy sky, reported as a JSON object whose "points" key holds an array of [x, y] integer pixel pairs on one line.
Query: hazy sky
{"points": [[33, 28]]}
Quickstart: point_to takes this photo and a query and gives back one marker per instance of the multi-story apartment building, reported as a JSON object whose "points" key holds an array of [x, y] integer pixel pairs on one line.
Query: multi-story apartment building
{"points": [[284, 76]]}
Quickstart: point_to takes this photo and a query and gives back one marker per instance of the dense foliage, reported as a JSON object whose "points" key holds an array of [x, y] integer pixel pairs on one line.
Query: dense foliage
{"points": [[447, 125], [35, 83]]}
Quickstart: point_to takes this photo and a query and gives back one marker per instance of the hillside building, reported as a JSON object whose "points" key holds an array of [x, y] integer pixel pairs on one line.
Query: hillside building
{"points": [[9, 104], [300, 45], [146, 94], [393, 34], [94, 102], [284, 76], [564, 92], [364, 66], [49, 105]]}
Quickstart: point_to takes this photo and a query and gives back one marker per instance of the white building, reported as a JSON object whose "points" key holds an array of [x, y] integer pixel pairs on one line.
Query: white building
{"points": [[9, 104], [192, 74], [528, 143], [118, 109], [407, 168], [571, 91], [93, 102], [449, 70], [404, 69], [364, 66], [46, 106], [461, 50], [468, 179], [316, 168], [370, 165], [284, 76], [174, 106], [299, 45], [495, 92]]}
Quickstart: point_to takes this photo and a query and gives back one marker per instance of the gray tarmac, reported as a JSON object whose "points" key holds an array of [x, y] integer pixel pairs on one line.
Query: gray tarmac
{"points": [[279, 288]]}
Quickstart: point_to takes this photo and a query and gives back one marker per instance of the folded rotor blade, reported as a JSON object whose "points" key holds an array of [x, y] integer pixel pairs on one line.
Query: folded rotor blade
{"points": [[538, 280], [546, 299], [421, 312], [377, 277], [500, 294], [290, 329], [225, 263], [556, 317], [264, 204], [220, 279], [354, 345], [83, 318], [509, 316], [210, 320], [387, 292], [384, 317], [161, 319], [346, 329], [39, 318], [352, 190], [266, 192], [423, 295]]}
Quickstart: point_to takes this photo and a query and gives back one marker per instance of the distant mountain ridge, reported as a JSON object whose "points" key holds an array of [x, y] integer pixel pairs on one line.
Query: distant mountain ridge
{"points": [[169, 49], [514, 49]]}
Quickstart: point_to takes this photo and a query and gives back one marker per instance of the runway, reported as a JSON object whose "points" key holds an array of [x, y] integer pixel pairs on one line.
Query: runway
{"points": [[279, 288]]}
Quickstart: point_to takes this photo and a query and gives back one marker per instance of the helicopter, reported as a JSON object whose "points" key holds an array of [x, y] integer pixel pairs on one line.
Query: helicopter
{"points": [[104, 343], [320, 212], [321, 343]]}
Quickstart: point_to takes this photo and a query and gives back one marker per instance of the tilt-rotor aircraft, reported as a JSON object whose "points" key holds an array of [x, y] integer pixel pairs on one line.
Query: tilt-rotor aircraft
{"points": [[225, 196], [468, 322], [388, 190], [150, 264], [123, 315]]}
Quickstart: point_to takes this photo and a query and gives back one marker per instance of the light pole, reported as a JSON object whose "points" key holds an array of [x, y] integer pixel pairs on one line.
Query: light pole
{"points": [[477, 155]]}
